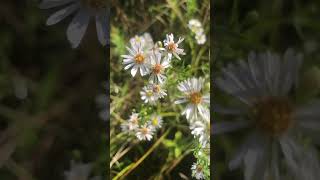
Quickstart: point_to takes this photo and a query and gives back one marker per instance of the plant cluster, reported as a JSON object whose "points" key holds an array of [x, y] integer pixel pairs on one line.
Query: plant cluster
{"points": [[153, 59]]}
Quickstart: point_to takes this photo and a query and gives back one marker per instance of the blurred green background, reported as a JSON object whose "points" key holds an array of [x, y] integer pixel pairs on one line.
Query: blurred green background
{"points": [[241, 26], [48, 111]]}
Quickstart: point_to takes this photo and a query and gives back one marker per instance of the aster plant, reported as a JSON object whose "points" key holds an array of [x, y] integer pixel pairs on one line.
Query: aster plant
{"points": [[154, 60]]}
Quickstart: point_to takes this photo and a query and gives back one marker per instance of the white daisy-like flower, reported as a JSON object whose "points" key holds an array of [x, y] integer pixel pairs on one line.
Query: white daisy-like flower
{"points": [[78, 171], [132, 124], [145, 40], [148, 95], [157, 67], [145, 132], [158, 90], [263, 84], [201, 39], [156, 121], [201, 130], [197, 102], [196, 27], [194, 24], [172, 48], [137, 59], [197, 171], [84, 10]]}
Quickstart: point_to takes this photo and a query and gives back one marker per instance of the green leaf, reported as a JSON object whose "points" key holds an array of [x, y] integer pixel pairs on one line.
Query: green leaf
{"points": [[177, 152]]}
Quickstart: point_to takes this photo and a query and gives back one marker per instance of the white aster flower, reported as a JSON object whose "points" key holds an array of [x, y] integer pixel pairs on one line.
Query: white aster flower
{"points": [[197, 171], [145, 40], [156, 121], [137, 59], [158, 90], [201, 39], [148, 96], [197, 102], [201, 130], [172, 48], [84, 10], [145, 132], [263, 84], [157, 67], [132, 124], [194, 25]]}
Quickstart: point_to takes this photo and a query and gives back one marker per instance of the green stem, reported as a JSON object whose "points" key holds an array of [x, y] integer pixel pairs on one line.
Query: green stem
{"points": [[125, 172]]}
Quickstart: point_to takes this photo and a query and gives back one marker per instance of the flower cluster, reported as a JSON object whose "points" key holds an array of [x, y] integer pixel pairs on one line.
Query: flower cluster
{"points": [[198, 115], [196, 27], [148, 58], [151, 59], [141, 126]]}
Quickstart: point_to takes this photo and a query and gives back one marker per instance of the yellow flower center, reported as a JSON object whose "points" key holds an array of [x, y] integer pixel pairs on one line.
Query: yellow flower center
{"points": [[273, 115], [199, 169], [157, 68], [172, 47], [195, 97], [144, 130], [156, 88], [96, 4], [139, 58], [149, 93], [155, 121], [137, 39], [134, 120]]}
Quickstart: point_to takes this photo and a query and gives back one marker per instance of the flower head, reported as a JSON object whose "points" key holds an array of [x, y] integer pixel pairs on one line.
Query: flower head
{"points": [[84, 10], [196, 27], [197, 171], [145, 40], [196, 101], [157, 67], [158, 90], [156, 121], [273, 120], [172, 48], [137, 59], [145, 132], [132, 124], [148, 95], [201, 39], [201, 130]]}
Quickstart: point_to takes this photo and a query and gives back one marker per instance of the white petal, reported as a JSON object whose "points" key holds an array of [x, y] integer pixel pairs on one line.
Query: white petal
{"points": [[134, 70], [78, 27], [61, 14], [224, 127]]}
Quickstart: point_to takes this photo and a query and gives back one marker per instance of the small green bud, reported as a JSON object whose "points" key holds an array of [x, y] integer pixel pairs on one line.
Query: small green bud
{"points": [[159, 44]]}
